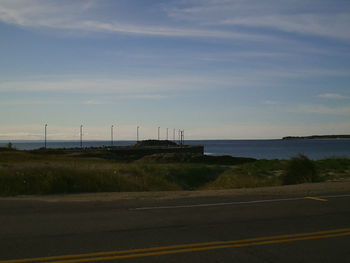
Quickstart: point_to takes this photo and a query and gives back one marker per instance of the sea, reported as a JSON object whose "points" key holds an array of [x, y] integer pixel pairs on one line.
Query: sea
{"points": [[260, 149]]}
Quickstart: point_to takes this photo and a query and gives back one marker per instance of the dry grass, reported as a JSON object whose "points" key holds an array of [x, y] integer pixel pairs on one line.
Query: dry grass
{"points": [[26, 173], [32, 173]]}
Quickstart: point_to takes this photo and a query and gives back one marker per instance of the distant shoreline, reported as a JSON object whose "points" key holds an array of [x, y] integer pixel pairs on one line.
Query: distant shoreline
{"points": [[318, 137]]}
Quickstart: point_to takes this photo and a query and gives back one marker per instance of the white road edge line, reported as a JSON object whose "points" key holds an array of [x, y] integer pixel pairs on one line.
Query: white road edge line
{"points": [[333, 196], [233, 203]]}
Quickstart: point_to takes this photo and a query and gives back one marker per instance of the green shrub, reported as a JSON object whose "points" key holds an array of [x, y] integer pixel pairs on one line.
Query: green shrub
{"points": [[300, 169]]}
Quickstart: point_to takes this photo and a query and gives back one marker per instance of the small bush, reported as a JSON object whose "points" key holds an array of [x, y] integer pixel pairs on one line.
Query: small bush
{"points": [[300, 169]]}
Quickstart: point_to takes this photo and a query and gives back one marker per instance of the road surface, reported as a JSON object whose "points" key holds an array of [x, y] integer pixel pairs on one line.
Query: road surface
{"points": [[249, 227]]}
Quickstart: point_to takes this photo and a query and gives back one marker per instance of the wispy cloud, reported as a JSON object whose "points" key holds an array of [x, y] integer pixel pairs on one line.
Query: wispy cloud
{"points": [[321, 109], [167, 84], [298, 16], [266, 130], [313, 109], [335, 96], [20, 136], [308, 24], [160, 31], [76, 15], [217, 131], [93, 102], [91, 131], [198, 19], [123, 97], [271, 102], [147, 87]]}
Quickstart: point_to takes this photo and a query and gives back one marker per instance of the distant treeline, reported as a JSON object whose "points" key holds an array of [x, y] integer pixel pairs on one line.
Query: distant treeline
{"points": [[316, 137]]}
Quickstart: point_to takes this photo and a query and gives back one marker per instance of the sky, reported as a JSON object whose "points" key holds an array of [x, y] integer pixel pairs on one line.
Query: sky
{"points": [[218, 69]]}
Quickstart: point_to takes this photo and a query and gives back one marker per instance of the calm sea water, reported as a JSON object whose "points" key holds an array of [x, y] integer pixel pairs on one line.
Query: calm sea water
{"points": [[261, 149]]}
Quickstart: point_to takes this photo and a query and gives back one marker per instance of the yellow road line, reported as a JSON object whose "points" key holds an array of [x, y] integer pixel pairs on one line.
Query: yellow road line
{"points": [[316, 198], [197, 249], [184, 247]]}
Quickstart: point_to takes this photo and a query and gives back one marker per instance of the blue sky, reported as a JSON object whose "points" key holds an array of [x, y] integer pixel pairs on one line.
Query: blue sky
{"points": [[219, 69]]}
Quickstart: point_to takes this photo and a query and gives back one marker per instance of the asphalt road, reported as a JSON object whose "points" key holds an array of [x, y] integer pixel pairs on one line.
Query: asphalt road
{"points": [[244, 228]]}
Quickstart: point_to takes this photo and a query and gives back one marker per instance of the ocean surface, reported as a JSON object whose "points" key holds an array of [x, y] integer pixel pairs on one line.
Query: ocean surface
{"points": [[260, 149]]}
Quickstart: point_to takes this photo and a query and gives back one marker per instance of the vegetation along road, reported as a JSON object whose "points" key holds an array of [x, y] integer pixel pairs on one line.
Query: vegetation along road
{"points": [[296, 223]]}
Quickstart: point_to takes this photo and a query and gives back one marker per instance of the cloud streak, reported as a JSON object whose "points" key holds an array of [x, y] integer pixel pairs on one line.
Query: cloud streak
{"points": [[298, 16], [333, 96], [142, 86], [195, 19], [127, 132], [266, 130], [321, 109], [76, 16], [308, 24], [170, 83]]}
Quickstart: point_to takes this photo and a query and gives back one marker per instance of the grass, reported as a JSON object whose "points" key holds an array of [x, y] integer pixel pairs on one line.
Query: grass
{"points": [[280, 172], [24, 172], [334, 168], [255, 174], [28, 173]]}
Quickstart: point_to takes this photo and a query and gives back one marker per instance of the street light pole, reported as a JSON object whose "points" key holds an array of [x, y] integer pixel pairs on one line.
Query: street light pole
{"points": [[45, 135], [181, 137], [137, 133], [81, 136], [167, 130], [158, 133], [112, 135], [174, 134]]}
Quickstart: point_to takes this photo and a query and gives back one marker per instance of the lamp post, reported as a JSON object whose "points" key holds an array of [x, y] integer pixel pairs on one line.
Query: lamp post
{"points": [[81, 136], [174, 134], [112, 135], [137, 133], [181, 137], [167, 133], [158, 133], [45, 136]]}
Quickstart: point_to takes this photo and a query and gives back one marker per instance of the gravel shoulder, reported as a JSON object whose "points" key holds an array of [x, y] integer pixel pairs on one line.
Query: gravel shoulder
{"points": [[308, 189]]}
